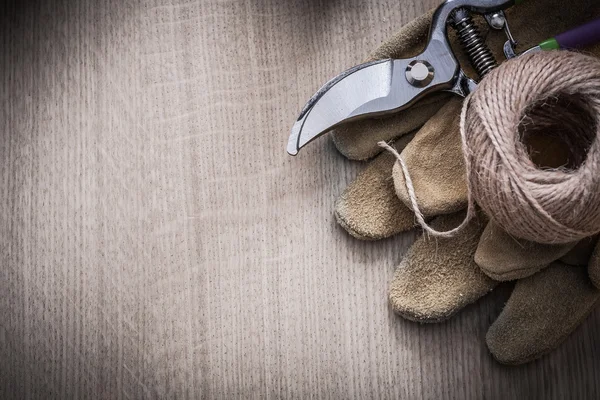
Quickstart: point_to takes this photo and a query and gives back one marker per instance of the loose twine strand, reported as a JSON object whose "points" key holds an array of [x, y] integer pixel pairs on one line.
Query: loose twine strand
{"points": [[545, 205]]}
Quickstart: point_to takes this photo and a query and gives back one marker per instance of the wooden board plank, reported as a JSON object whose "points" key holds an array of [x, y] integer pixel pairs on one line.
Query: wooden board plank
{"points": [[158, 242]]}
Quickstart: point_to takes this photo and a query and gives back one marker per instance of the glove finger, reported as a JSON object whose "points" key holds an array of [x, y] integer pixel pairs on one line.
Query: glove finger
{"points": [[358, 140], [369, 209], [594, 266], [438, 277], [504, 258], [436, 165], [541, 312]]}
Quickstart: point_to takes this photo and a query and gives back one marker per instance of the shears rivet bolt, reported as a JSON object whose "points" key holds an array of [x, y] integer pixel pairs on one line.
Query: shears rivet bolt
{"points": [[419, 73], [497, 21]]}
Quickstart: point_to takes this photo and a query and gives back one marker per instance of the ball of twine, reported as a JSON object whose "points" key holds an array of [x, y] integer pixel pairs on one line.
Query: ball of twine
{"points": [[555, 94]]}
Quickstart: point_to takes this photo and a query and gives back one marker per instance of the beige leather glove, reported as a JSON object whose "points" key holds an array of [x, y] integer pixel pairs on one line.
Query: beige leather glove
{"points": [[438, 277]]}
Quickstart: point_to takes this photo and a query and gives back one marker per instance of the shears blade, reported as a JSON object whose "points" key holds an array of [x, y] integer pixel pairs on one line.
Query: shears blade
{"points": [[374, 89], [352, 93]]}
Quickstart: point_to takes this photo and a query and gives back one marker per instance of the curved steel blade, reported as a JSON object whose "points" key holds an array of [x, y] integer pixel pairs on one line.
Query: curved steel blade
{"points": [[368, 90], [338, 98]]}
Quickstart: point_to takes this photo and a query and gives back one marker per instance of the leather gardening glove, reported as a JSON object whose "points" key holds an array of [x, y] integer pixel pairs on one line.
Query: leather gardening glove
{"points": [[438, 277]]}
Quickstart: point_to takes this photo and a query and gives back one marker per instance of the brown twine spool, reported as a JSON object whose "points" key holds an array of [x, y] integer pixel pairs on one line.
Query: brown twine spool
{"points": [[555, 94]]}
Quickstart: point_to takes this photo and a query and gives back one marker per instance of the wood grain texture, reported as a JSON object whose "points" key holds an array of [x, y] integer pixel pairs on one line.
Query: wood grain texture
{"points": [[157, 241]]}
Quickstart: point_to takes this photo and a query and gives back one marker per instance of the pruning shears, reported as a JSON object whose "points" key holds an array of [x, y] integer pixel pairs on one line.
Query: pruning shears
{"points": [[391, 85]]}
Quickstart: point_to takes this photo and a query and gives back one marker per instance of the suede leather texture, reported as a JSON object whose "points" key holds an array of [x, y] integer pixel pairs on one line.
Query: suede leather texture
{"points": [[505, 258], [438, 277], [436, 164], [368, 208], [541, 312]]}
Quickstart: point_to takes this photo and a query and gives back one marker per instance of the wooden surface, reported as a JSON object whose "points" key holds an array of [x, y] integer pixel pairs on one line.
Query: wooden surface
{"points": [[157, 241]]}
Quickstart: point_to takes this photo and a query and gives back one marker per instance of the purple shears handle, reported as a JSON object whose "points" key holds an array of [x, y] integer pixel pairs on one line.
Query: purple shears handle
{"points": [[581, 36]]}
